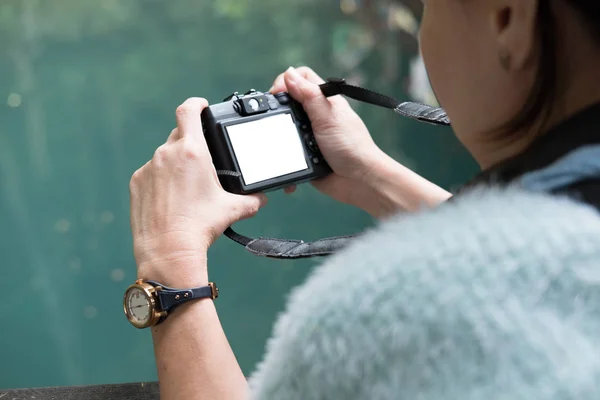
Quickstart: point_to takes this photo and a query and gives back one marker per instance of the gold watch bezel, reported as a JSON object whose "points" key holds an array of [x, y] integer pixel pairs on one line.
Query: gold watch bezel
{"points": [[150, 293]]}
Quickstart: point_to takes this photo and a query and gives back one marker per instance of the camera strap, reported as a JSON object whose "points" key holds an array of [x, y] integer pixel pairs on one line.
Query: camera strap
{"points": [[294, 249], [417, 111]]}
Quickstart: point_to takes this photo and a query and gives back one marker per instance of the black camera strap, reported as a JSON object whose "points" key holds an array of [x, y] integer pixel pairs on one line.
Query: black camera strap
{"points": [[417, 111], [293, 249]]}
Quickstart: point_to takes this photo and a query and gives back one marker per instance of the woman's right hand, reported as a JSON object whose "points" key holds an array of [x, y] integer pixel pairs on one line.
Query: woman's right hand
{"points": [[364, 176]]}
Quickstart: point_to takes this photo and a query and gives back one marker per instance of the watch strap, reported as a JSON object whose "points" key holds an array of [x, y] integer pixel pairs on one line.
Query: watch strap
{"points": [[170, 298]]}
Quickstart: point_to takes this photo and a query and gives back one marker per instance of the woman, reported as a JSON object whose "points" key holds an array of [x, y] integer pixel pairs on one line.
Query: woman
{"points": [[490, 294]]}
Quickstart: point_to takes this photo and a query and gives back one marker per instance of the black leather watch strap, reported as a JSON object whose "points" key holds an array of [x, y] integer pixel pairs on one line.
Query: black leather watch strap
{"points": [[169, 298]]}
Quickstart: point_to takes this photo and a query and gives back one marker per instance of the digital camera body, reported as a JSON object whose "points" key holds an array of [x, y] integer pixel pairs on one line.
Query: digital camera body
{"points": [[261, 142]]}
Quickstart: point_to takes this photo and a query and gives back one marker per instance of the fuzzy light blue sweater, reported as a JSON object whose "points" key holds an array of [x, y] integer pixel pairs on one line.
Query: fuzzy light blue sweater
{"points": [[494, 296]]}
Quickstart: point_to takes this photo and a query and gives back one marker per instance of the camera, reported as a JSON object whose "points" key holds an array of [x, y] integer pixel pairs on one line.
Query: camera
{"points": [[261, 142]]}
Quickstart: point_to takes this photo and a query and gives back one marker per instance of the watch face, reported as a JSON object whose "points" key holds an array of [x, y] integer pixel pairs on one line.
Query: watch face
{"points": [[138, 306]]}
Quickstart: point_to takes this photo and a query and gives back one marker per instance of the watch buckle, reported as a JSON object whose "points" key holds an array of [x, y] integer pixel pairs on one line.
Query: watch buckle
{"points": [[214, 290]]}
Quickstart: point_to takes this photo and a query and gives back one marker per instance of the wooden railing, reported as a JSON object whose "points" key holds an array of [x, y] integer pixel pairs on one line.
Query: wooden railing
{"points": [[129, 391]]}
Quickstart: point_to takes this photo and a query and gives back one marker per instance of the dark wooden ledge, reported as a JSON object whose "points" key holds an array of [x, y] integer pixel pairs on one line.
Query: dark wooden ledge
{"points": [[129, 391]]}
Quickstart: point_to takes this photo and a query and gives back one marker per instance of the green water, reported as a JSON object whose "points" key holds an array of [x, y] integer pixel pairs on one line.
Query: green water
{"points": [[88, 90]]}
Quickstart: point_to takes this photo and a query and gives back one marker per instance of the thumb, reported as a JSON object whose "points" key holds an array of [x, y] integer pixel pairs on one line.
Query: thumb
{"points": [[244, 207], [307, 93]]}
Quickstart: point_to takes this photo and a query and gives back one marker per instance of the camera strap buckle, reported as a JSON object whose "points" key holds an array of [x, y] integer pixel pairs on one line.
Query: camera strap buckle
{"points": [[294, 249]]}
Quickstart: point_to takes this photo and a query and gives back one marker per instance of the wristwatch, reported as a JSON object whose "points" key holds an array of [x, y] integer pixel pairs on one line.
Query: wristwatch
{"points": [[148, 303]]}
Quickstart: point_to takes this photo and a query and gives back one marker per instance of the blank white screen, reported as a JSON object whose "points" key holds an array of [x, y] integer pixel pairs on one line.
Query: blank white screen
{"points": [[267, 148]]}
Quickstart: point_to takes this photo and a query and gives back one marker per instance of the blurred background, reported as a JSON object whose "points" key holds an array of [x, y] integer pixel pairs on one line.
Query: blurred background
{"points": [[88, 90]]}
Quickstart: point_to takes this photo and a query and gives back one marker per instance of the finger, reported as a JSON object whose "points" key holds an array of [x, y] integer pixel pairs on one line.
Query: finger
{"points": [[247, 206], [310, 75], [323, 184], [278, 84], [290, 189], [189, 122], [308, 94], [305, 72], [174, 136]]}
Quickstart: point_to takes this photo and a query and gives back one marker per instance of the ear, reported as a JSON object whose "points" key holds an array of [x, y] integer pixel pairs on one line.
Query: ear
{"points": [[513, 24]]}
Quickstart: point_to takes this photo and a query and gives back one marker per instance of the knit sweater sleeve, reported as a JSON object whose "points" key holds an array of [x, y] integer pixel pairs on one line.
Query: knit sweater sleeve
{"points": [[493, 296]]}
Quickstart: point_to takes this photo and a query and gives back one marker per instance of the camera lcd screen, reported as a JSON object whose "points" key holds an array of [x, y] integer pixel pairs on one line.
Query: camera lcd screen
{"points": [[267, 148]]}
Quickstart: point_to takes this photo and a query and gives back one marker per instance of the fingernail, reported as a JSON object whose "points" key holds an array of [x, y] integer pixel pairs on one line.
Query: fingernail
{"points": [[272, 88]]}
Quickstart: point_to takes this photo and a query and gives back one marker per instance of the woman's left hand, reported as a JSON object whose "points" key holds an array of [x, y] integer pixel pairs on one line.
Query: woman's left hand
{"points": [[178, 207]]}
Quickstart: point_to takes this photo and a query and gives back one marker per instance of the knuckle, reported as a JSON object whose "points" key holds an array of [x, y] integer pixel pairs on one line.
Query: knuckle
{"points": [[191, 106], [243, 209], [183, 109], [234, 210], [252, 208], [135, 178], [191, 151], [160, 155], [132, 184]]}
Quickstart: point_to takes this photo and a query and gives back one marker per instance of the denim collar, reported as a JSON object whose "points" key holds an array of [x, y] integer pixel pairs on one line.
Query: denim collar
{"points": [[577, 131]]}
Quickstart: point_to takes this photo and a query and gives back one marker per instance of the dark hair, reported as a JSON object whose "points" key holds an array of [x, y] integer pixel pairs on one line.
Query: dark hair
{"points": [[542, 99]]}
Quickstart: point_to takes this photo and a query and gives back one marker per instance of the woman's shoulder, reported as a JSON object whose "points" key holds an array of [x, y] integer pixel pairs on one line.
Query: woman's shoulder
{"points": [[461, 301]]}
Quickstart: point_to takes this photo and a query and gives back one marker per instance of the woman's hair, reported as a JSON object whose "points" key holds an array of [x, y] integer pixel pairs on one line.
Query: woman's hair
{"points": [[544, 93]]}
